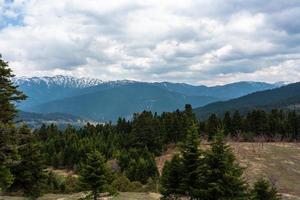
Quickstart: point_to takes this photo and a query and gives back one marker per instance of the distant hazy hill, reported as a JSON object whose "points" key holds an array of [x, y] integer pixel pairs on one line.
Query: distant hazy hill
{"points": [[121, 101], [62, 120], [99, 100], [285, 97], [222, 92], [29, 116]]}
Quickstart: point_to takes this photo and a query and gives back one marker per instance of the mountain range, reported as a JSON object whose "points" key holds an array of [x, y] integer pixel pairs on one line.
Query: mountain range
{"points": [[107, 100]]}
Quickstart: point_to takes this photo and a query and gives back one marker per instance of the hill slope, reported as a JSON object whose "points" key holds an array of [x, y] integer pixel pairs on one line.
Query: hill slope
{"points": [[122, 101], [285, 97], [223, 92]]}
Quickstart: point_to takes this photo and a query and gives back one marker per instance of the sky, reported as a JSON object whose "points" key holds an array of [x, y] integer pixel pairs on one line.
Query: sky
{"points": [[193, 41]]}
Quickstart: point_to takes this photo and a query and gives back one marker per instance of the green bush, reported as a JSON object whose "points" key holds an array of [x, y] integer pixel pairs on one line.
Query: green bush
{"points": [[151, 186], [54, 183], [122, 183], [71, 184]]}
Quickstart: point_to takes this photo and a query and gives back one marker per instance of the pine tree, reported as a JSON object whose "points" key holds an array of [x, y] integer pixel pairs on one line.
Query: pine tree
{"points": [[8, 154], [146, 132], [262, 190], [9, 93], [94, 173], [188, 110], [30, 171], [222, 175], [191, 156], [227, 122], [237, 122], [213, 124], [139, 165], [293, 124], [172, 177]]}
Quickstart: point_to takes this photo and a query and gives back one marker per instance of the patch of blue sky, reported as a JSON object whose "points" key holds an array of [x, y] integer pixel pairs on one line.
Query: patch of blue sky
{"points": [[7, 21]]}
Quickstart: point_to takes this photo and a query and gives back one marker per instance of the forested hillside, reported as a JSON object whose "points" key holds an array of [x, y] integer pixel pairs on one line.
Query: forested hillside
{"points": [[285, 97], [123, 101]]}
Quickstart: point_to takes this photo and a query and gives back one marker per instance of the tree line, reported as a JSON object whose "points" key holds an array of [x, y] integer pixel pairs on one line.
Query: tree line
{"points": [[256, 125]]}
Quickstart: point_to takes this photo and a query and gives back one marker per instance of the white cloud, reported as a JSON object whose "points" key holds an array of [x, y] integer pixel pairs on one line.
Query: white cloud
{"points": [[193, 41]]}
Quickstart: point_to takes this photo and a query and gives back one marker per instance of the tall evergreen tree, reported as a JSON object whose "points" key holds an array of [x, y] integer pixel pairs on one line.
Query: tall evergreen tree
{"points": [[8, 154], [237, 123], [30, 171], [94, 173], [188, 110], [227, 122], [222, 175], [9, 93], [262, 190], [213, 124], [172, 177], [293, 121], [191, 156]]}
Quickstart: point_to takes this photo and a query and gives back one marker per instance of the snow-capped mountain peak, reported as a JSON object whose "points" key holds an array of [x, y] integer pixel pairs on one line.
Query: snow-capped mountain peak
{"points": [[58, 80]]}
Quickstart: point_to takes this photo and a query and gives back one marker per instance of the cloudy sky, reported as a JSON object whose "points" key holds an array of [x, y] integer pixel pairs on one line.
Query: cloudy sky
{"points": [[195, 41]]}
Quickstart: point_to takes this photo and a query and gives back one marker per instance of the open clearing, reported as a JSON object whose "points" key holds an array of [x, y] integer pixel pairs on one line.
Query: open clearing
{"points": [[279, 162]]}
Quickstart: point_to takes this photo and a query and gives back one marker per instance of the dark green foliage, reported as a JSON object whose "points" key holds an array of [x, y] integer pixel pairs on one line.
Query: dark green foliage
{"points": [[236, 124], [192, 162], [213, 124], [181, 175], [293, 125], [222, 175], [227, 123], [8, 154], [54, 183], [146, 132], [94, 173], [136, 142], [122, 184], [208, 175], [172, 177], [176, 124], [29, 172], [138, 165], [262, 190], [256, 125], [71, 184], [9, 93], [257, 122]]}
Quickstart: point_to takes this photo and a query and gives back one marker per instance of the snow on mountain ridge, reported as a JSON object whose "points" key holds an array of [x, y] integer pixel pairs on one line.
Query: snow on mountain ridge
{"points": [[59, 80], [67, 81]]}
